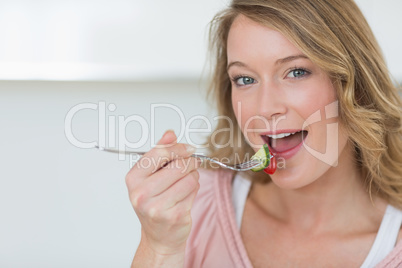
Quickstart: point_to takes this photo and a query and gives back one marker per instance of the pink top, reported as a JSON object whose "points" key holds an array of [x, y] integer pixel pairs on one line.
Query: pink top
{"points": [[215, 239]]}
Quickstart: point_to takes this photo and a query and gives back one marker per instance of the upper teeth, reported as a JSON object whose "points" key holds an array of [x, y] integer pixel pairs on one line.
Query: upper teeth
{"points": [[280, 136]]}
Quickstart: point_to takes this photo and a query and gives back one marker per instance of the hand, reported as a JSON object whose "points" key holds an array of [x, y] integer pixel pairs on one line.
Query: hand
{"points": [[162, 186]]}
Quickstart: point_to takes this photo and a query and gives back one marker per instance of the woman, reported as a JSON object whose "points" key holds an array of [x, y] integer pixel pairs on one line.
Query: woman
{"points": [[307, 78]]}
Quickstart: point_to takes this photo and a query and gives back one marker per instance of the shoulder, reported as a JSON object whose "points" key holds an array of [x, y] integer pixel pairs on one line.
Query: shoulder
{"points": [[394, 259]]}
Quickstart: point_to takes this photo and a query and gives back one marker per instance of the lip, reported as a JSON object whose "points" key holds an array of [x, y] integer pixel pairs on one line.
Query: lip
{"points": [[285, 154]]}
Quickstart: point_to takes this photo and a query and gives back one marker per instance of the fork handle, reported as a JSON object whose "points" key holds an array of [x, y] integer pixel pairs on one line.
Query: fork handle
{"points": [[117, 151], [140, 153]]}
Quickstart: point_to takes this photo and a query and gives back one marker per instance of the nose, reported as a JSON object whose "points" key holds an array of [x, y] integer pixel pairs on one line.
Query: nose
{"points": [[271, 101]]}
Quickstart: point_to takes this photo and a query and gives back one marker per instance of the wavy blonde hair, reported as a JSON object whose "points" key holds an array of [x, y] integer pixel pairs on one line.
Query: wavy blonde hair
{"points": [[334, 35]]}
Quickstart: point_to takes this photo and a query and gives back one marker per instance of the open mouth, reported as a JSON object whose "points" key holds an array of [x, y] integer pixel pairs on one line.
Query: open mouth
{"points": [[286, 141]]}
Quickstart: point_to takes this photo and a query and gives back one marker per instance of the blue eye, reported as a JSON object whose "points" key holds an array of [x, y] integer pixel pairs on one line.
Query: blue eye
{"points": [[243, 80], [297, 73]]}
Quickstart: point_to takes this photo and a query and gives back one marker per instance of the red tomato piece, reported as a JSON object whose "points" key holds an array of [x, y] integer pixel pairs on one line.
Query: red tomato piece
{"points": [[271, 167]]}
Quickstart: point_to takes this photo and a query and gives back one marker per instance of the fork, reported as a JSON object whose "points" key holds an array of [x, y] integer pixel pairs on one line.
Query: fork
{"points": [[238, 167]]}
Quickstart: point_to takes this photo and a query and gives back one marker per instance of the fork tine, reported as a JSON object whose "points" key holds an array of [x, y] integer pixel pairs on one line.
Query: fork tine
{"points": [[247, 165]]}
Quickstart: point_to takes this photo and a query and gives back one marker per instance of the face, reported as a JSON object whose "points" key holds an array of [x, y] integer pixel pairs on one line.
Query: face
{"points": [[282, 98]]}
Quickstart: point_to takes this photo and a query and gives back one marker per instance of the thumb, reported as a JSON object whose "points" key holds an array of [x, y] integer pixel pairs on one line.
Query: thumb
{"points": [[168, 138]]}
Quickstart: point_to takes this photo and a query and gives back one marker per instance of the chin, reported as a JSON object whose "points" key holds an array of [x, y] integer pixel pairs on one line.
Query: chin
{"points": [[287, 180], [299, 174]]}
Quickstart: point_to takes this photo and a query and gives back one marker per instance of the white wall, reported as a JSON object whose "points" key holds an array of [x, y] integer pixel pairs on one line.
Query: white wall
{"points": [[133, 39], [103, 39]]}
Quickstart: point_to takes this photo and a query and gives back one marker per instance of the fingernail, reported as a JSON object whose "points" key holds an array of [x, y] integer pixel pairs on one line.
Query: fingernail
{"points": [[190, 149], [166, 132]]}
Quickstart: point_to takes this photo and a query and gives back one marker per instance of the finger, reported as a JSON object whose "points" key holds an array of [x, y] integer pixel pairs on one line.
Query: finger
{"points": [[157, 208], [179, 190], [175, 202], [173, 172], [141, 190], [169, 137], [158, 157], [185, 205], [166, 150]]}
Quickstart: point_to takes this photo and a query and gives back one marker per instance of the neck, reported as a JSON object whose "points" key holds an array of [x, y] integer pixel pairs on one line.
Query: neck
{"points": [[336, 200]]}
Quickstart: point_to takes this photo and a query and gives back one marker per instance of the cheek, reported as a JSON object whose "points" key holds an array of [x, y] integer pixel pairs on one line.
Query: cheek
{"points": [[244, 112], [316, 105], [319, 110], [238, 104], [235, 103], [315, 96]]}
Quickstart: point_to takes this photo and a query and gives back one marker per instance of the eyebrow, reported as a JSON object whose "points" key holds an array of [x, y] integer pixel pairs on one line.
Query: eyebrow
{"points": [[290, 58], [279, 61], [236, 63]]}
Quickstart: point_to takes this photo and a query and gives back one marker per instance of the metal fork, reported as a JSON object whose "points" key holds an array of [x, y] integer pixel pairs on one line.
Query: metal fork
{"points": [[238, 167]]}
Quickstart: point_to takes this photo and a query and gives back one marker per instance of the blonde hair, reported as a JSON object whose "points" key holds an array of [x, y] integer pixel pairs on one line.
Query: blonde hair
{"points": [[334, 35]]}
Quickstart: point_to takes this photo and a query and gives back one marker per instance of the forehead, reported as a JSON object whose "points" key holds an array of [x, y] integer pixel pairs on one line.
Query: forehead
{"points": [[248, 38]]}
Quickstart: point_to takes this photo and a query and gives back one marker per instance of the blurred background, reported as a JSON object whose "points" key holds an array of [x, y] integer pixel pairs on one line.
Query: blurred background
{"points": [[74, 73]]}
